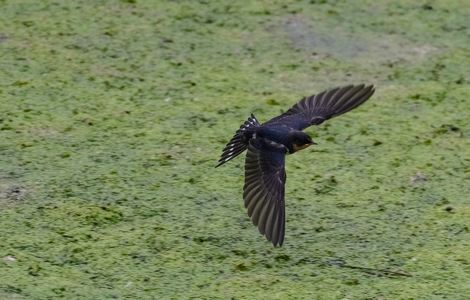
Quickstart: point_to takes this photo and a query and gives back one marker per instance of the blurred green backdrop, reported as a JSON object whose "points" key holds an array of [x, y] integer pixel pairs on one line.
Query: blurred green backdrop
{"points": [[113, 114]]}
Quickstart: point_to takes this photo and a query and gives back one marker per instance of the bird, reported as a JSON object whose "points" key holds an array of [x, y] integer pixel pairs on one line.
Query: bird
{"points": [[267, 145]]}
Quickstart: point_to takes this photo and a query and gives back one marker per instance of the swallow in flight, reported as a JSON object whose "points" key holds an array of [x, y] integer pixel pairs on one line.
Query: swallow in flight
{"points": [[268, 144]]}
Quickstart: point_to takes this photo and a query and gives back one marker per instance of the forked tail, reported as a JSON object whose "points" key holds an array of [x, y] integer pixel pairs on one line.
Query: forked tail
{"points": [[239, 141]]}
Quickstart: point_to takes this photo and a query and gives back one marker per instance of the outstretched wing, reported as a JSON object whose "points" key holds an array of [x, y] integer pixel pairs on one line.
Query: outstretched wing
{"points": [[315, 109], [263, 194]]}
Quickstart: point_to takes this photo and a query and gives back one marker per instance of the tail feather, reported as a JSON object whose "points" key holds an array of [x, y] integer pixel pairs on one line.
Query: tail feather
{"points": [[239, 141]]}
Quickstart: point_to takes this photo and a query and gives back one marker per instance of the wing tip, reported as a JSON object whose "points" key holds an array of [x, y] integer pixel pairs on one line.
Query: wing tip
{"points": [[277, 244], [369, 87], [349, 86]]}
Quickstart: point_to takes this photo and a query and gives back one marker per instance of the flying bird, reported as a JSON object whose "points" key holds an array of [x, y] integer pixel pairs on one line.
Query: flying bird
{"points": [[270, 142]]}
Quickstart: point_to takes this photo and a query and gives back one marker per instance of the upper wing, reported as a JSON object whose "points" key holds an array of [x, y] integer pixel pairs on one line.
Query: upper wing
{"points": [[315, 109], [263, 191]]}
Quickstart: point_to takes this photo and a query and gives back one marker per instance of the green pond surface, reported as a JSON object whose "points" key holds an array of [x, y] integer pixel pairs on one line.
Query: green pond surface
{"points": [[113, 115]]}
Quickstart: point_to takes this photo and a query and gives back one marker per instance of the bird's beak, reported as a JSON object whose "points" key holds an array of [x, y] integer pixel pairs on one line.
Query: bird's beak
{"points": [[313, 143]]}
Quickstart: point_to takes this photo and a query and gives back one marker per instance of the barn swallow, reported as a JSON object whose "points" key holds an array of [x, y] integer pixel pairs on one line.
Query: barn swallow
{"points": [[270, 142]]}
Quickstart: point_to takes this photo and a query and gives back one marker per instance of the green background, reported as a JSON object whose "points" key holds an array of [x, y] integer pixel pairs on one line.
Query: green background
{"points": [[114, 113]]}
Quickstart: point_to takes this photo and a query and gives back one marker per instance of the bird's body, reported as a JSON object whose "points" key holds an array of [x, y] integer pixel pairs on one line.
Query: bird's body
{"points": [[268, 144]]}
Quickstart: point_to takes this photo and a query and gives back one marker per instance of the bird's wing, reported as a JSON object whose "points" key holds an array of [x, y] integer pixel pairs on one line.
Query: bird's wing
{"points": [[315, 109], [263, 194]]}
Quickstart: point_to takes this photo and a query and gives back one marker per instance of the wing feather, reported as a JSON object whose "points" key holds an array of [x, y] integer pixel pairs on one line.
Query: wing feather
{"points": [[264, 189], [318, 108]]}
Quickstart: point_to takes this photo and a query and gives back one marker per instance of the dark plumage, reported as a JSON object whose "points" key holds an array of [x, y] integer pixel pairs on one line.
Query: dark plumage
{"points": [[267, 145]]}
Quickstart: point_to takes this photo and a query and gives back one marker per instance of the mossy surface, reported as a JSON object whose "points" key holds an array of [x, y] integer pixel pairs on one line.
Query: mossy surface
{"points": [[114, 113]]}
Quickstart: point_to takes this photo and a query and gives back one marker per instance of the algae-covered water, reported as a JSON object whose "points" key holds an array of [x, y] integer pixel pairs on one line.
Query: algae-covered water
{"points": [[114, 113]]}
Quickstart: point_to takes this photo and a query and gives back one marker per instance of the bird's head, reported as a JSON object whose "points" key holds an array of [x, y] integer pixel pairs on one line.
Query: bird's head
{"points": [[299, 140]]}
